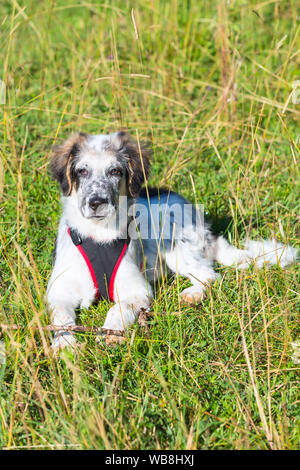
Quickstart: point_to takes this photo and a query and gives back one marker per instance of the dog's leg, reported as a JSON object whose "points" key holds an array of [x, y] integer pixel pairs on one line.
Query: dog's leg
{"points": [[62, 315], [131, 294], [70, 286], [66, 291], [185, 261], [62, 302]]}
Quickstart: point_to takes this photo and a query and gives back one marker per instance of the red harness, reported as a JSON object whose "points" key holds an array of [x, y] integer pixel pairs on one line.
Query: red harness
{"points": [[103, 261]]}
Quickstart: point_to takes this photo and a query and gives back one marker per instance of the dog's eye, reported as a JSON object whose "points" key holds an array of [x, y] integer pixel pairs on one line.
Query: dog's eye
{"points": [[83, 172], [116, 172]]}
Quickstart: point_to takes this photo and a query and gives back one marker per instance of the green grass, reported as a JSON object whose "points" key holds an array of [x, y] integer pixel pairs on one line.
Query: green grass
{"points": [[207, 82]]}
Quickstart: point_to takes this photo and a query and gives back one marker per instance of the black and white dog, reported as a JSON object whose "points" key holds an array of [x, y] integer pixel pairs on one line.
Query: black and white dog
{"points": [[115, 239]]}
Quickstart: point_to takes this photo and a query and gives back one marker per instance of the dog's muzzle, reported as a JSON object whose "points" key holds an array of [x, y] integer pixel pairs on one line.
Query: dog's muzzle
{"points": [[97, 207], [97, 202]]}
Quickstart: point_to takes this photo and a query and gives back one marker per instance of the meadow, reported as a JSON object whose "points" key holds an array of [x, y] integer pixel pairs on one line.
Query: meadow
{"points": [[212, 85]]}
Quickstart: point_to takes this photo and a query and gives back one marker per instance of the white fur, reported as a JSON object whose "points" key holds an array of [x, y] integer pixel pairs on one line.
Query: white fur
{"points": [[260, 252], [102, 230], [270, 252]]}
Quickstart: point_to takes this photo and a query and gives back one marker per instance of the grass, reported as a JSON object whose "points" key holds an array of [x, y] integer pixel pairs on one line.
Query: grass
{"points": [[209, 83]]}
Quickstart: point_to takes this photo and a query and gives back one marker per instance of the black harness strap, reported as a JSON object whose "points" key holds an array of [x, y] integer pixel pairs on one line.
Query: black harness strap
{"points": [[102, 261]]}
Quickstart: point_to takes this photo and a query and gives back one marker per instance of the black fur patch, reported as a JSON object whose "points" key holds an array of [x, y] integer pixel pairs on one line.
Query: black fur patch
{"points": [[63, 162], [137, 160]]}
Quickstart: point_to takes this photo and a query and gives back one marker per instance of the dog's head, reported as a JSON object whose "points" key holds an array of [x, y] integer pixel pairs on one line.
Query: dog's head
{"points": [[98, 169]]}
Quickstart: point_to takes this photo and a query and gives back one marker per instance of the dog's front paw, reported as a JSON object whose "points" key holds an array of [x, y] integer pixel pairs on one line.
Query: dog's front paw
{"points": [[120, 316], [113, 340], [111, 337], [193, 295], [63, 340]]}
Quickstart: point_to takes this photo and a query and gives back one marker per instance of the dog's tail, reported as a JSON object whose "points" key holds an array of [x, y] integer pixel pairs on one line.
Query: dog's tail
{"points": [[260, 252]]}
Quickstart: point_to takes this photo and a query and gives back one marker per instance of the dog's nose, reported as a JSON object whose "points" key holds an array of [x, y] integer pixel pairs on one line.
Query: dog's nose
{"points": [[96, 201]]}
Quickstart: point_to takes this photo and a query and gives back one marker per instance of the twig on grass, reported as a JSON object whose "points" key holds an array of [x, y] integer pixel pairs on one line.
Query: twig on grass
{"points": [[144, 317]]}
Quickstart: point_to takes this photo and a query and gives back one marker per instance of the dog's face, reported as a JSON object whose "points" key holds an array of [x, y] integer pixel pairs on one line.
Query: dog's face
{"points": [[97, 170]]}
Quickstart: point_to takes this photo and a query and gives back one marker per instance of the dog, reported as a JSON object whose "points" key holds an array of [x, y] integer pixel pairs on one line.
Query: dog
{"points": [[116, 238]]}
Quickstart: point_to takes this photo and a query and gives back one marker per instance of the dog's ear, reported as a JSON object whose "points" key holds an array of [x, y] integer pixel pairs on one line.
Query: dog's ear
{"points": [[62, 159], [137, 156]]}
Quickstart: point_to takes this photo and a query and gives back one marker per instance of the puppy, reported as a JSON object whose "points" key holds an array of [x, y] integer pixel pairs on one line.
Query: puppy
{"points": [[116, 239]]}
